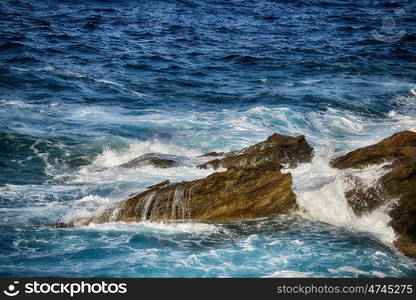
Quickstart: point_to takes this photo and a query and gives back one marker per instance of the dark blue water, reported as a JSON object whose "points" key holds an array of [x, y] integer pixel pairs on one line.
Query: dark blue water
{"points": [[86, 86]]}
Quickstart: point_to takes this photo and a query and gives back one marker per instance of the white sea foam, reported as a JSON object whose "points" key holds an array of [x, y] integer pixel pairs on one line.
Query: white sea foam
{"points": [[320, 188], [108, 82], [143, 176], [404, 116], [158, 227], [320, 194], [70, 73]]}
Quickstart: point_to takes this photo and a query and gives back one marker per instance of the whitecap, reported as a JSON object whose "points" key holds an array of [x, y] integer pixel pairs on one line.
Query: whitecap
{"points": [[356, 272], [291, 274], [320, 191]]}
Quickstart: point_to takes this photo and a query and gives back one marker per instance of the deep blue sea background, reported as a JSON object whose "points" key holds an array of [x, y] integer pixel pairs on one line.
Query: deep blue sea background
{"points": [[86, 86]]}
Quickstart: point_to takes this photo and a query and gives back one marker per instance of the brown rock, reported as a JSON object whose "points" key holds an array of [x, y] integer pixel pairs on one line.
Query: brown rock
{"points": [[400, 146], [276, 150], [231, 195], [398, 184]]}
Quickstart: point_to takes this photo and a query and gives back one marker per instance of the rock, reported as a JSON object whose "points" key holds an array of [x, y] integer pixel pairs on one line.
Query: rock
{"points": [[212, 154], [253, 186], [155, 159], [362, 198], [398, 184], [276, 150]]}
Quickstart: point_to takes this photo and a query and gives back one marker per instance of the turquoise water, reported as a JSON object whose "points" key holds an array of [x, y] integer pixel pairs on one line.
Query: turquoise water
{"points": [[88, 86]]}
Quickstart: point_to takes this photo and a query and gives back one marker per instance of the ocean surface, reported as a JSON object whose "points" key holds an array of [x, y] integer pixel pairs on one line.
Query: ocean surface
{"points": [[86, 86]]}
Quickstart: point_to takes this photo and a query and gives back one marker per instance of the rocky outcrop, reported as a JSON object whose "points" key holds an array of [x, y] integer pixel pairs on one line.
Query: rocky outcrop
{"points": [[276, 150], [398, 184], [158, 160], [253, 186]]}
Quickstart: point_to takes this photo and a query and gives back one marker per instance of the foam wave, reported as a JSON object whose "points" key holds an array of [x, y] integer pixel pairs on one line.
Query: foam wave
{"points": [[142, 177], [402, 122], [404, 116], [103, 167], [225, 130], [111, 158], [320, 194], [41, 211], [69, 73]]}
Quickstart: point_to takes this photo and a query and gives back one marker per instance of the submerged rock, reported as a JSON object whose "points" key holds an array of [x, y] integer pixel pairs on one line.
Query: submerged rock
{"points": [[158, 160], [253, 186], [400, 146], [398, 185]]}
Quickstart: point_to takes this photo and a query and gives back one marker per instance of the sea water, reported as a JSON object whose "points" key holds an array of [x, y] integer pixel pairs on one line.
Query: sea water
{"points": [[87, 86]]}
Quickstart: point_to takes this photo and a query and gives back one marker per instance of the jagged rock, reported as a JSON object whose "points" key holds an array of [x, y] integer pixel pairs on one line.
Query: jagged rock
{"points": [[363, 198], [276, 150], [230, 195], [253, 186], [155, 159], [398, 147], [399, 183], [158, 185]]}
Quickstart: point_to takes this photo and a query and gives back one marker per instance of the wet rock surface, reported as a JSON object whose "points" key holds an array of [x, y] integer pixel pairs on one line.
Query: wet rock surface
{"points": [[276, 150], [158, 160], [234, 194], [253, 186], [397, 186]]}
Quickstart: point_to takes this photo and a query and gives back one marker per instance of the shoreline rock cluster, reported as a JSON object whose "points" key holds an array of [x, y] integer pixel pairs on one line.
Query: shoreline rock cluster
{"points": [[253, 185]]}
